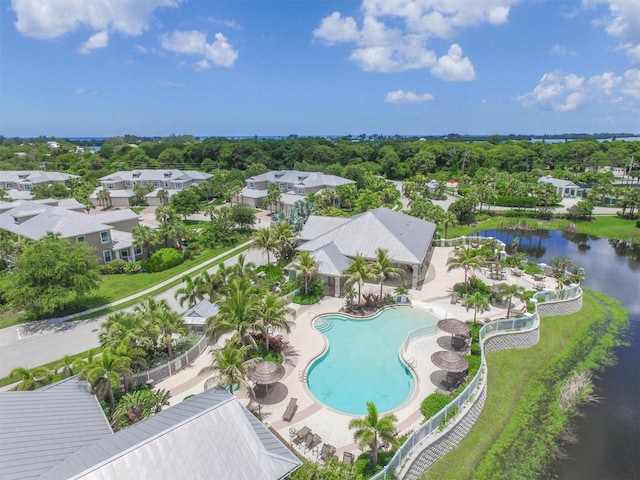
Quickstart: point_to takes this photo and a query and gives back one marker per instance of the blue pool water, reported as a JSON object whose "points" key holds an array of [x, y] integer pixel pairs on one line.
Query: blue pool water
{"points": [[362, 364]]}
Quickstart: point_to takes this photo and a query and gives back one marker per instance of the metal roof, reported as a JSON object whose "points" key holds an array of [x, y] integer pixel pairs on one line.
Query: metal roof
{"points": [[39, 429], [406, 238], [317, 225], [557, 182], [209, 435], [200, 312], [331, 262]]}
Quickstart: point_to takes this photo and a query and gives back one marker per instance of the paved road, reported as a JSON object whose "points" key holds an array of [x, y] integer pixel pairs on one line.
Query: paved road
{"points": [[37, 343]]}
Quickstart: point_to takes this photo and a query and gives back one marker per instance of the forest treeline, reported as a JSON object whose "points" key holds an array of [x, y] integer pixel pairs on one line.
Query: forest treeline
{"points": [[393, 158]]}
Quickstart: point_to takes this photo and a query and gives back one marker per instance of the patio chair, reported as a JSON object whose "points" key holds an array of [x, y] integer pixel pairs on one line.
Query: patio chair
{"points": [[301, 435], [291, 409], [464, 300], [348, 458], [454, 298], [313, 441], [327, 451]]}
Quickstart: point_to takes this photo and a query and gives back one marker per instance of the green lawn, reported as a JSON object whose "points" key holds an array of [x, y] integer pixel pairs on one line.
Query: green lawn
{"points": [[193, 224], [512, 380], [605, 226]]}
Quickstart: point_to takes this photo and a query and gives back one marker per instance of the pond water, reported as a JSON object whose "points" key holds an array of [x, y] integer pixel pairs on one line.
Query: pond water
{"points": [[608, 433]]}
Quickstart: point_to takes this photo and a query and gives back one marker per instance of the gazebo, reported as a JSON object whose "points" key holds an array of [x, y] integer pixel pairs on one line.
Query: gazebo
{"points": [[266, 373]]}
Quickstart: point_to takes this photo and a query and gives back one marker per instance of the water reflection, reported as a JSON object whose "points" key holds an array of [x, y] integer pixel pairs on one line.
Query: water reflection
{"points": [[608, 434]]}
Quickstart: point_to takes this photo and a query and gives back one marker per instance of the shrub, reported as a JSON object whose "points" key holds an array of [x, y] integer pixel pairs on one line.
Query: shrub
{"points": [[315, 292], [113, 268], [162, 260], [638, 224], [475, 285], [474, 365], [133, 267], [433, 404], [475, 349]]}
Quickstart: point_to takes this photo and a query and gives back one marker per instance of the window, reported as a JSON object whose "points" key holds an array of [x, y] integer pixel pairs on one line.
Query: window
{"points": [[104, 237], [138, 251], [124, 254], [252, 185], [155, 183], [9, 185], [144, 183], [283, 186], [107, 256], [289, 186], [127, 183], [27, 187], [166, 174], [178, 186], [81, 239], [300, 190], [110, 186]]}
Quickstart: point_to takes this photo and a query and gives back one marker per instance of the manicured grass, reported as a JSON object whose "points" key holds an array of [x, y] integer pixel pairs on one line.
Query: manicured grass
{"points": [[514, 379], [605, 226], [195, 223]]}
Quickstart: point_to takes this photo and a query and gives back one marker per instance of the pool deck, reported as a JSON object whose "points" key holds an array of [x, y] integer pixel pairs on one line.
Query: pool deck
{"points": [[305, 344]]}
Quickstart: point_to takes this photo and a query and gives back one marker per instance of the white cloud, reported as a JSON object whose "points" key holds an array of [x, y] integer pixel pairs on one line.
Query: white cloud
{"points": [[97, 40], [336, 28], [169, 84], [622, 22], [565, 92], [85, 91], [561, 50], [400, 96], [193, 42], [225, 23], [48, 19], [453, 67], [394, 35]]}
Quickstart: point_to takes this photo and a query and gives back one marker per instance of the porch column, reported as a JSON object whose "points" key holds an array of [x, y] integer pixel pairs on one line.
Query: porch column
{"points": [[415, 276], [337, 287]]}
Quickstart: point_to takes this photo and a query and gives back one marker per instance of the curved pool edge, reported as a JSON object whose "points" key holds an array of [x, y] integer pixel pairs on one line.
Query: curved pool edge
{"points": [[413, 373]]}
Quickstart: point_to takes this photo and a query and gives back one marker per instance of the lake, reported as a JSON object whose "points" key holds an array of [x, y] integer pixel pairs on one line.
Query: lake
{"points": [[609, 432]]}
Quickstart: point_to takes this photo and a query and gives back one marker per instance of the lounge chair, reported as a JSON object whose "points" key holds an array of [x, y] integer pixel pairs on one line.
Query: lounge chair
{"points": [[348, 458], [327, 451], [313, 441], [464, 300], [301, 435], [291, 409]]}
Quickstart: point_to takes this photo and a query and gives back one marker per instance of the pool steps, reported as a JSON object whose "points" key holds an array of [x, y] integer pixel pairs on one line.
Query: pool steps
{"points": [[323, 324]]}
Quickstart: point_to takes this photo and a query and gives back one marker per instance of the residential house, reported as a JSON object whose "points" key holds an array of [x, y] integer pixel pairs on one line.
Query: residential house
{"points": [[294, 185], [332, 241], [121, 185], [109, 233], [60, 432], [564, 188], [17, 184]]}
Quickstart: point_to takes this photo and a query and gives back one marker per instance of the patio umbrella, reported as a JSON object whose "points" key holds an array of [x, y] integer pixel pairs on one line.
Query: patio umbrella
{"points": [[449, 361], [266, 373], [454, 326]]}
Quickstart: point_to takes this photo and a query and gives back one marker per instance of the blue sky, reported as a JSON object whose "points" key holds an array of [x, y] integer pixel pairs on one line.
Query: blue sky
{"points": [[311, 67]]}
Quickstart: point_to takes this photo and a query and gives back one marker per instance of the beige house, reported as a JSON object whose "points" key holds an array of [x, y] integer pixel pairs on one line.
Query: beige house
{"points": [[294, 185], [108, 233], [332, 241], [121, 185], [17, 184]]}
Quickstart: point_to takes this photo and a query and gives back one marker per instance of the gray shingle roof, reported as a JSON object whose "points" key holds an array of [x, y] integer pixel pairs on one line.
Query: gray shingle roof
{"points": [[39, 429], [33, 176], [207, 436], [172, 174], [406, 238], [300, 178]]}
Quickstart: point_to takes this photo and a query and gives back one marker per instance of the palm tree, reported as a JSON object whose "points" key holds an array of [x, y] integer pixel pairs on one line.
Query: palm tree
{"points": [[307, 267], [103, 374], [123, 326], [145, 237], [238, 312], [231, 362], [448, 220], [372, 428], [170, 323], [190, 292], [272, 313], [479, 303], [163, 196], [382, 267], [263, 239], [209, 285], [467, 259], [358, 271], [242, 267], [138, 405], [284, 239], [509, 292], [65, 367], [31, 379]]}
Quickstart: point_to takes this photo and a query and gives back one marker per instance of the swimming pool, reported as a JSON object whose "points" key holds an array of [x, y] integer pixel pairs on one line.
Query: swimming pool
{"points": [[361, 362]]}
